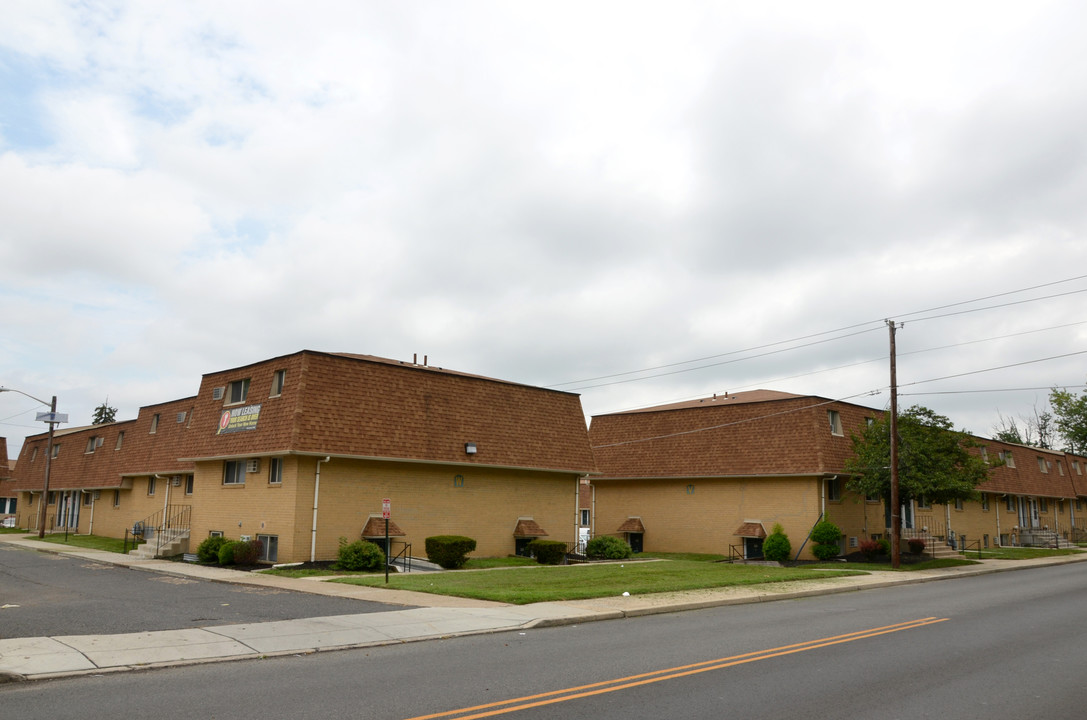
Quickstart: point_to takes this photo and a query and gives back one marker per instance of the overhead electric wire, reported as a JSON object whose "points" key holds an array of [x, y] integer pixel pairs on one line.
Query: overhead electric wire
{"points": [[814, 335]]}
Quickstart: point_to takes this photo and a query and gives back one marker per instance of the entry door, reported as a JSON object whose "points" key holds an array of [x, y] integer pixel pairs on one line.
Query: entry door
{"points": [[1028, 512], [905, 512], [752, 548], [635, 542]]}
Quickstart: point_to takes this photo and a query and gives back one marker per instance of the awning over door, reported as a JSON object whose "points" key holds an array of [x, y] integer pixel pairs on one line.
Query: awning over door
{"points": [[528, 528], [751, 530], [375, 528], [632, 525]]}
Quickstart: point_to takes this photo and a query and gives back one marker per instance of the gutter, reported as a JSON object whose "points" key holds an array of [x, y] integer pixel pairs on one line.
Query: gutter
{"points": [[316, 495]]}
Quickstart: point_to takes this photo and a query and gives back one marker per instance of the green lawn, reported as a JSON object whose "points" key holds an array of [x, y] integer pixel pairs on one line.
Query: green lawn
{"points": [[1022, 553], [90, 542], [572, 582]]}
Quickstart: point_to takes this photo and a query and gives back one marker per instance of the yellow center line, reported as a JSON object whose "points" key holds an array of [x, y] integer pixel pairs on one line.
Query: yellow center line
{"points": [[607, 686]]}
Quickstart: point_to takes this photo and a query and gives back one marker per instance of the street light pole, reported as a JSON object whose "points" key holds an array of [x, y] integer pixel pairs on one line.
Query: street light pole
{"points": [[52, 420]]}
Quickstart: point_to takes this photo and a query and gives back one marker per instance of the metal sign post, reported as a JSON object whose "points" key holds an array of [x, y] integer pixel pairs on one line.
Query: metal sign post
{"points": [[386, 512]]}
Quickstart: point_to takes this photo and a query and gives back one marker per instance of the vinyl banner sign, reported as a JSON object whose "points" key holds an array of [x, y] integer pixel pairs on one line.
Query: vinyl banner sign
{"points": [[238, 419]]}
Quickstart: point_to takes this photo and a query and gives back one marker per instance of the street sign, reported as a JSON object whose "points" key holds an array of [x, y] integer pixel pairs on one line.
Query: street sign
{"points": [[386, 508], [52, 417]]}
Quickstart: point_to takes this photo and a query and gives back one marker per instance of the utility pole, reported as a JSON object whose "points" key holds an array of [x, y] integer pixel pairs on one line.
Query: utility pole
{"points": [[896, 516]]}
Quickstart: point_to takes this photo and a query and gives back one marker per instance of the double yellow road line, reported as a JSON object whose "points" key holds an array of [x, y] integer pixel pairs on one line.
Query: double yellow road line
{"points": [[607, 686]]}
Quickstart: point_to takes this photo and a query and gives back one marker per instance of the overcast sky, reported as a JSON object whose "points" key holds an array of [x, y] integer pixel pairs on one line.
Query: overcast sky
{"points": [[546, 193]]}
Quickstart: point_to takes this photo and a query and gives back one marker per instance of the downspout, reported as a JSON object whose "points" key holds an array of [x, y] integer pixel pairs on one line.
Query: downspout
{"points": [[592, 520], [998, 542], [166, 500], [316, 495], [90, 529], [951, 538]]}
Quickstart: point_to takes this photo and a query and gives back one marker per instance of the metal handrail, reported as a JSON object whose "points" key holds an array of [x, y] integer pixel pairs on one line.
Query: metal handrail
{"points": [[404, 553]]}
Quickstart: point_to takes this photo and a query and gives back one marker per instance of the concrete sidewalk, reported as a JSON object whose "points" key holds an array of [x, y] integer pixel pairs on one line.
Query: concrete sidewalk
{"points": [[432, 616]]}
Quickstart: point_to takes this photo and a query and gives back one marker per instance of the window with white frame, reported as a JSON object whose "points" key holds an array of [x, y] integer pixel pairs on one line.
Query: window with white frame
{"points": [[984, 454], [1042, 465], [1075, 466], [958, 503], [278, 381], [154, 424], [1009, 503], [238, 392], [835, 419], [269, 548], [234, 472], [923, 503], [275, 471], [151, 485], [188, 484], [120, 440], [585, 517], [1043, 505], [92, 443], [116, 498], [56, 450], [215, 533], [1006, 456], [985, 502]]}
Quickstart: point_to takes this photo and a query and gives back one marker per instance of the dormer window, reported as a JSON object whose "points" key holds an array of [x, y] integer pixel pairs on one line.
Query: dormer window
{"points": [[238, 392], [278, 381], [835, 422]]}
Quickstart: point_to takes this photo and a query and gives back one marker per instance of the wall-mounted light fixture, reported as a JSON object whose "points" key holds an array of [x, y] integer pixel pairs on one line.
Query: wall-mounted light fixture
{"points": [[470, 448]]}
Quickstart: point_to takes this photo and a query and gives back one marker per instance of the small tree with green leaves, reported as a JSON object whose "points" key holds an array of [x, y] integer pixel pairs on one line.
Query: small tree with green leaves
{"points": [[777, 547], [825, 535]]}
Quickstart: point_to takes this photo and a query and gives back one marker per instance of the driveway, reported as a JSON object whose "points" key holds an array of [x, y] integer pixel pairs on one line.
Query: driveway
{"points": [[45, 594]]}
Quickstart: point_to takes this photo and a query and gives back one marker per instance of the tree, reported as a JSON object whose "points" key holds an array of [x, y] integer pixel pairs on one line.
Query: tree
{"points": [[104, 414], [1070, 411], [1037, 430], [934, 461]]}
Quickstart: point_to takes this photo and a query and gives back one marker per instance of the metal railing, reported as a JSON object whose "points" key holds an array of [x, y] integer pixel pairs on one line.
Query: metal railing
{"points": [[163, 528], [404, 555]]}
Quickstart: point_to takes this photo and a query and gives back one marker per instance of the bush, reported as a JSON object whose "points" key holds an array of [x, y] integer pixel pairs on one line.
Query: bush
{"points": [[360, 555], [208, 552], [247, 552], [547, 552], [917, 545], [884, 546], [870, 549], [449, 551], [607, 547], [226, 552], [777, 547], [825, 535]]}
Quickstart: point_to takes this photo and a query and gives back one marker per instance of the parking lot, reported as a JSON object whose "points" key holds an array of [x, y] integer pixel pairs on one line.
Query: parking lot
{"points": [[46, 594]]}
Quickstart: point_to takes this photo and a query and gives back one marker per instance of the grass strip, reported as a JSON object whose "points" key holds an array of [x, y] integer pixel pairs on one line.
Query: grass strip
{"points": [[521, 586]]}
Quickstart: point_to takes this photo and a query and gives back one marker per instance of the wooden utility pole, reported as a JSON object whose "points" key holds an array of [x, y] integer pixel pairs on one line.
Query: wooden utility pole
{"points": [[896, 516]]}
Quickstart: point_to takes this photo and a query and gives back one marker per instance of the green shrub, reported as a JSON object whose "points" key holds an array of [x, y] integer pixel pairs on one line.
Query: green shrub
{"points": [[884, 546], [547, 552], [777, 547], [917, 545], [449, 551], [825, 535], [226, 552], [208, 552], [870, 549], [825, 551], [360, 555], [607, 547]]}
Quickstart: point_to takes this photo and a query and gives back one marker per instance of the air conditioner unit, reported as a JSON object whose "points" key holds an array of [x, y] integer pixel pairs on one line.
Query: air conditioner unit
{"points": [[245, 538], [217, 393], [177, 481], [252, 466]]}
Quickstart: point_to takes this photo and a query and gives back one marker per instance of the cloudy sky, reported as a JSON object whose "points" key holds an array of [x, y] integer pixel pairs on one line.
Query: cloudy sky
{"points": [[640, 202]]}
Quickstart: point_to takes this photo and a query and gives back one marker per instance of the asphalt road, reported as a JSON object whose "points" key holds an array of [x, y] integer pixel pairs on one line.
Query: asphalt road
{"points": [[1001, 646], [45, 594]]}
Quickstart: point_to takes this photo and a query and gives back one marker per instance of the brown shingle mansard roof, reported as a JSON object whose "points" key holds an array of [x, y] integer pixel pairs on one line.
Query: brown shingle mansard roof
{"points": [[331, 404], [760, 432], [366, 407]]}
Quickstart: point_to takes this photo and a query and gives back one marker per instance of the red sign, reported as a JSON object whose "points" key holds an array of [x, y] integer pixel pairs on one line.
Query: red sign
{"points": [[386, 508]]}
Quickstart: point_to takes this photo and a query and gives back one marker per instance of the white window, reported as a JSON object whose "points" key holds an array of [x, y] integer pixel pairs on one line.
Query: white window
{"points": [[958, 504], [56, 450], [151, 485], [1042, 466], [215, 533], [985, 502], [116, 498], [278, 380], [154, 424], [239, 392], [234, 472], [1006, 456], [92, 443], [275, 471], [1060, 468], [1009, 503], [1075, 466], [835, 422], [984, 454], [585, 517], [188, 484], [923, 503], [34, 454], [269, 548], [1043, 505], [120, 440]]}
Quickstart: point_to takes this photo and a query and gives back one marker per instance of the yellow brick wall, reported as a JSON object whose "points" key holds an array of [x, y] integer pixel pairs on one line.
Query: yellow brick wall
{"points": [[701, 515], [426, 500]]}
